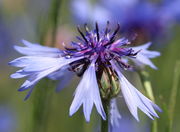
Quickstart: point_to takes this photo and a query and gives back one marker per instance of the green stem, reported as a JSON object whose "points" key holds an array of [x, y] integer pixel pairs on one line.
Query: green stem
{"points": [[172, 101], [105, 123], [144, 76]]}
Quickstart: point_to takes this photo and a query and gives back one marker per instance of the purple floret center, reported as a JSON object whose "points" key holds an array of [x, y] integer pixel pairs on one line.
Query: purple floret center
{"points": [[99, 45]]}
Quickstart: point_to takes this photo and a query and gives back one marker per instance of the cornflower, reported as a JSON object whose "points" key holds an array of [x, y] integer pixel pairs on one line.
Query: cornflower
{"points": [[100, 59]]}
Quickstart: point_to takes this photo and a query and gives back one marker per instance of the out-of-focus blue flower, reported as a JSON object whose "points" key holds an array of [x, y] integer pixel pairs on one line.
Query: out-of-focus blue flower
{"points": [[5, 39], [7, 119], [150, 20], [171, 8], [126, 124], [83, 11], [96, 54]]}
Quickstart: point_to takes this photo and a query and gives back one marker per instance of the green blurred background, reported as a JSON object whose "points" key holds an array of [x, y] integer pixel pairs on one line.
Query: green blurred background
{"points": [[25, 19]]}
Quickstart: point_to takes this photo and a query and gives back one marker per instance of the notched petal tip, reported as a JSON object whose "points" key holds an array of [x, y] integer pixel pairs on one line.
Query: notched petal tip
{"points": [[28, 94], [11, 63], [22, 89], [71, 113], [24, 41], [157, 108], [148, 44], [19, 49], [135, 115], [15, 76], [154, 67], [87, 119]]}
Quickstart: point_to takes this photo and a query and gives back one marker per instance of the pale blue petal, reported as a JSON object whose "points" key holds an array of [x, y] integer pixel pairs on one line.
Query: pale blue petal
{"points": [[129, 96], [28, 94], [144, 60], [36, 68], [151, 106], [87, 94], [19, 74], [134, 99], [37, 63], [142, 47], [144, 55], [151, 54], [36, 77], [40, 73], [38, 50], [22, 61], [39, 47], [143, 50], [114, 114], [41, 62]]}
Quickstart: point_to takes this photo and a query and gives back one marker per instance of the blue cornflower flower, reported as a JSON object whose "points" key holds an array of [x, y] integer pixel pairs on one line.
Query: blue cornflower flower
{"points": [[150, 20], [100, 59]]}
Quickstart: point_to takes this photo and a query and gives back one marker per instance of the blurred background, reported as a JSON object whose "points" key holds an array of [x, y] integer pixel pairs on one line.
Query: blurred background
{"points": [[35, 20]]}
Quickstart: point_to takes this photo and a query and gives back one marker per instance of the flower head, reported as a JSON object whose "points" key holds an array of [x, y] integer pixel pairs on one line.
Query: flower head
{"points": [[99, 57]]}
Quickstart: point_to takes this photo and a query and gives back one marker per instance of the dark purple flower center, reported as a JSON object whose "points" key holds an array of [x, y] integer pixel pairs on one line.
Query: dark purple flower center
{"points": [[100, 45]]}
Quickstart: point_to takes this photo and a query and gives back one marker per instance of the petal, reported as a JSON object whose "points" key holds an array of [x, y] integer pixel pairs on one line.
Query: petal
{"points": [[144, 55], [145, 60], [37, 67], [22, 61], [87, 94], [19, 74], [114, 114], [142, 47], [38, 46], [38, 50], [134, 99], [34, 78], [37, 63], [151, 54], [28, 94], [43, 71], [143, 50]]}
